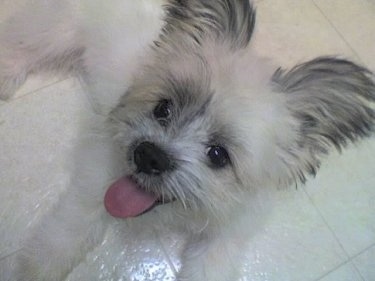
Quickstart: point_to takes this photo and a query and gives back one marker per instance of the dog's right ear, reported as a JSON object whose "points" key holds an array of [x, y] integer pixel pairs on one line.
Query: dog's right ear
{"points": [[231, 21], [332, 101]]}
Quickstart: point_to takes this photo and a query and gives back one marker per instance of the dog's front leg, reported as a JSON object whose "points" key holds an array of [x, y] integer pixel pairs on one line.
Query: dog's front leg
{"points": [[60, 242], [78, 223], [211, 258]]}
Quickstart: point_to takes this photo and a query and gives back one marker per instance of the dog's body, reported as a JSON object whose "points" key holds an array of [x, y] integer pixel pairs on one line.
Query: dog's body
{"points": [[51, 36], [205, 125]]}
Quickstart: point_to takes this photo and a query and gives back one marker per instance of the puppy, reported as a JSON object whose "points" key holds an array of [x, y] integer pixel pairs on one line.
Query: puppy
{"points": [[195, 136]]}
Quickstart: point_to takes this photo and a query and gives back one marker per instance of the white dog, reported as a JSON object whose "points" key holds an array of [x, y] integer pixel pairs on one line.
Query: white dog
{"points": [[201, 126]]}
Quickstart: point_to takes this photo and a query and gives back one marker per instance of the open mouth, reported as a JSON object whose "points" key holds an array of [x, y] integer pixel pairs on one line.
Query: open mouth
{"points": [[125, 198]]}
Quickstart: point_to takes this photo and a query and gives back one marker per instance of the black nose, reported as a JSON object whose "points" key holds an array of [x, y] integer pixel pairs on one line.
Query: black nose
{"points": [[150, 159]]}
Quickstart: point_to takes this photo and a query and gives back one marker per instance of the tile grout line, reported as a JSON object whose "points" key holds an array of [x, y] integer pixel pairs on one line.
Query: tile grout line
{"points": [[336, 268], [349, 261], [348, 258], [337, 31], [34, 91], [357, 255], [166, 254], [364, 250], [326, 223]]}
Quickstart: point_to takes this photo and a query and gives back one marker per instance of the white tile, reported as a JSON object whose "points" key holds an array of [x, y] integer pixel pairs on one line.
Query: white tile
{"points": [[173, 245], [295, 245], [346, 272], [365, 263], [344, 193], [125, 255], [355, 20], [292, 31]]}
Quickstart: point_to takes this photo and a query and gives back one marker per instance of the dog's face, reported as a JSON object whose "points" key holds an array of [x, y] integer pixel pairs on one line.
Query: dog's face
{"points": [[178, 141], [198, 129], [206, 122]]}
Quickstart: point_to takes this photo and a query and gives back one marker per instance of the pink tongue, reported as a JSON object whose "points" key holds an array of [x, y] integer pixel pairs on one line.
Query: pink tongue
{"points": [[125, 199]]}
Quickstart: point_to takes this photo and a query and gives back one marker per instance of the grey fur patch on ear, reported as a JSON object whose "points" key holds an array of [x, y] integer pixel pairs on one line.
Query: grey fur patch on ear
{"points": [[333, 101], [226, 20]]}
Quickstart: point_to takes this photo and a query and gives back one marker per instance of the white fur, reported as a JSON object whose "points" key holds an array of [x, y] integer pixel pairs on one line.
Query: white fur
{"points": [[47, 35]]}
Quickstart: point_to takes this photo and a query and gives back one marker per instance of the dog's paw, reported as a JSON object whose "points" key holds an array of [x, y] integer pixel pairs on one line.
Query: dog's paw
{"points": [[46, 256], [41, 265], [27, 269]]}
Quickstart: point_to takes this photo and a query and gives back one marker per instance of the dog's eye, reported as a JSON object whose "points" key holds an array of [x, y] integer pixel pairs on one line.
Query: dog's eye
{"points": [[218, 156], [163, 111]]}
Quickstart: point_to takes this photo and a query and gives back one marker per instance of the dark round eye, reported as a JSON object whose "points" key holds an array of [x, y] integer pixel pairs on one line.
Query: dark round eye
{"points": [[163, 111], [218, 156]]}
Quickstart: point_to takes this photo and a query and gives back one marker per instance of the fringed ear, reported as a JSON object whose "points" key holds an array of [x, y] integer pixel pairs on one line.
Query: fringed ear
{"points": [[332, 101], [227, 20]]}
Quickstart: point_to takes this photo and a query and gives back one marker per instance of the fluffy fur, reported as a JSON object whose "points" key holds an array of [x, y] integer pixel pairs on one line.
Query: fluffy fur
{"points": [[275, 124]]}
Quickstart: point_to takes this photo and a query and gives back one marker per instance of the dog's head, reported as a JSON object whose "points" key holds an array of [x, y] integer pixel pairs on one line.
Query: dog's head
{"points": [[206, 122]]}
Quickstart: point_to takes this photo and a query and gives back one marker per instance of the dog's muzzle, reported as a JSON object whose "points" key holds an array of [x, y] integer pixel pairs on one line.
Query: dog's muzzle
{"points": [[150, 159], [126, 197]]}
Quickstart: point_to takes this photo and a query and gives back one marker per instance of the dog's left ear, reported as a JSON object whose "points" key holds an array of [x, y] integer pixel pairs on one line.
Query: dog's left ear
{"points": [[332, 101]]}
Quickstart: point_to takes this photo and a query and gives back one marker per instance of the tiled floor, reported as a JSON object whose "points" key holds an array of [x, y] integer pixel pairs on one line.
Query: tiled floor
{"points": [[322, 231]]}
